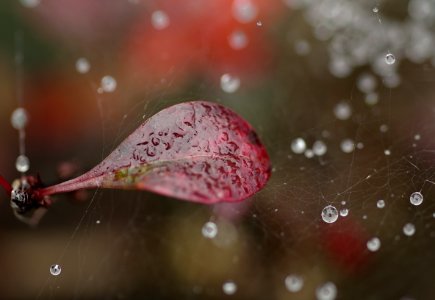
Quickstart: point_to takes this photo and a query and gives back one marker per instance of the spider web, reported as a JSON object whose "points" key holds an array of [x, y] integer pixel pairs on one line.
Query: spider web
{"points": [[134, 244]]}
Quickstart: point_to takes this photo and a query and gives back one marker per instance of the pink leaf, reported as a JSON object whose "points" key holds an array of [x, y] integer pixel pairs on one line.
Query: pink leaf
{"points": [[195, 151]]}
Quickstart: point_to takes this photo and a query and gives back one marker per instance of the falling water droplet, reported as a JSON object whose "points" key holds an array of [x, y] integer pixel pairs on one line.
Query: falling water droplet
{"points": [[55, 270], [82, 65], [209, 230], [108, 84], [159, 20], [374, 244], [22, 164], [298, 145], [347, 146], [390, 59], [329, 214], [327, 291], [229, 83], [409, 229], [380, 204], [19, 118], [229, 287], [416, 198], [294, 283]]}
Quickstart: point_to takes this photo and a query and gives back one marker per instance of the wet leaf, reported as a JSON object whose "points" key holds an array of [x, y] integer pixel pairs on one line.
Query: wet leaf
{"points": [[195, 151]]}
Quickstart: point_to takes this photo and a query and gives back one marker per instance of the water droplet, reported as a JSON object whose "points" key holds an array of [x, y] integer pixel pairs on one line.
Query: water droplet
{"points": [[259, 23], [375, 9], [19, 118], [374, 244], [383, 128], [108, 84], [229, 287], [416, 198], [319, 148], [55, 270], [238, 40], [294, 283], [380, 204], [209, 230], [229, 83], [409, 229], [302, 47], [327, 291], [82, 65], [342, 111], [98, 222], [390, 59], [309, 153], [344, 212], [329, 214], [366, 83], [30, 3], [387, 152], [159, 20], [417, 137], [298, 145], [347, 146], [22, 164], [371, 99], [244, 11]]}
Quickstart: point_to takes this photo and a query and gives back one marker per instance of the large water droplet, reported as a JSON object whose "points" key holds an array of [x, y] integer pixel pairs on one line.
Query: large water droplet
{"points": [[298, 145], [55, 270], [327, 291], [416, 198], [294, 283], [329, 214], [409, 229], [82, 65], [159, 20], [390, 59], [209, 230], [229, 287], [19, 118], [229, 83], [108, 84], [374, 244], [22, 164]]}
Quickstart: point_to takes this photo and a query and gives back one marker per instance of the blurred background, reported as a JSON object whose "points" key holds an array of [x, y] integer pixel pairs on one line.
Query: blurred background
{"points": [[341, 92]]}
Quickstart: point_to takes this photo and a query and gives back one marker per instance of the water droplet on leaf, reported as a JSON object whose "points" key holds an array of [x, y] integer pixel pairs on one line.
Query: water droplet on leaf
{"points": [[319, 148], [380, 204], [347, 146], [342, 111], [159, 20]]}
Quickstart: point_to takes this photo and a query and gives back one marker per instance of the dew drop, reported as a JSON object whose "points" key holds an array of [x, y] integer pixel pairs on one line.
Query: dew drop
{"points": [[309, 153], [229, 83], [375, 9], [390, 59], [344, 212], [229, 287], [342, 111], [298, 145], [327, 291], [366, 83], [19, 118], [82, 65], [238, 40], [374, 244], [347, 146], [387, 152], [380, 204], [55, 270], [329, 214], [259, 23], [209, 230], [159, 20], [22, 164], [108, 84], [244, 11], [409, 229], [416, 198], [319, 148], [371, 99], [294, 283]]}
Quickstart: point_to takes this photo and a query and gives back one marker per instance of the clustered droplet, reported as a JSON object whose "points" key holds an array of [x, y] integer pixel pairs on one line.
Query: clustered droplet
{"points": [[209, 230], [229, 83], [374, 244], [294, 283], [327, 291], [416, 198], [55, 270], [19, 118], [229, 287], [329, 214]]}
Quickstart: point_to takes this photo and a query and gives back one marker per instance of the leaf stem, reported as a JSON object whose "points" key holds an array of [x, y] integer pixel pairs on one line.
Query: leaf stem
{"points": [[6, 185]]}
